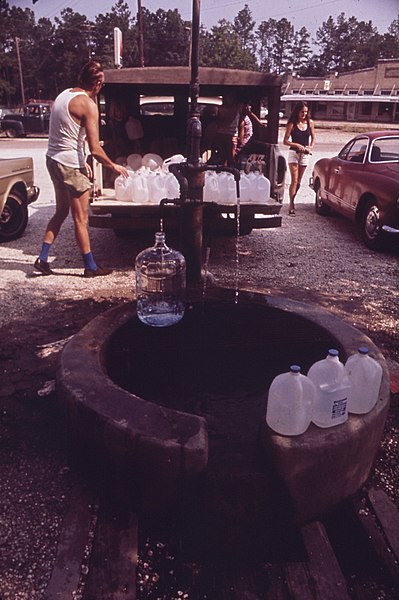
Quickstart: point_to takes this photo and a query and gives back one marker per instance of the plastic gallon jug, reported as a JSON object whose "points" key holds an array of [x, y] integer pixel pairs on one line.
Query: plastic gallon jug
{"points": [[134, 161], [227, 188], [211, 188], [124, 188], [157, 186], [332, 385], [176, 158], [151, 161], [262, 189], [172, 186], [160, 284], [140, 187], [365, 376], [245, 188], [290, 401]]}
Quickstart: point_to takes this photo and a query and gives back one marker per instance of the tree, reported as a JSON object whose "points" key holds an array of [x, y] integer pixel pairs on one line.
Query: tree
{"points": [[275, 42], [264, 35], [347, 44], [166, 38], [244, 26], [17, 26], [103, 35], [300, 51], [389, 45], [71, 47], [221, 47]]}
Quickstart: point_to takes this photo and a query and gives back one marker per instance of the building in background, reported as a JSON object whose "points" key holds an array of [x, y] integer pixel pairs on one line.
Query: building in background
{"points": [[363, 95]]}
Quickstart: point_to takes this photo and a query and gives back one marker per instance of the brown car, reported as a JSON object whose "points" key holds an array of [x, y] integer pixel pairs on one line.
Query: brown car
{"points": [[362, 183], [17, 191]]}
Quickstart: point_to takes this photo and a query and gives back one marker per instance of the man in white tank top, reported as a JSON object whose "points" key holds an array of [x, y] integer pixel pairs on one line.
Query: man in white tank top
{"points": [[74, 120]]}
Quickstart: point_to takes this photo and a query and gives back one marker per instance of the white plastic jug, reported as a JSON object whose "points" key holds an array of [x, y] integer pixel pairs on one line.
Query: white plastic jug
{"points": [[124, 188], [332, 384], [245, 188], [157, 186], [227, 188], [290, 401], [365, 375], [134, 161], [262, 193], [176, 158], [140, 187], [172, 186], [151, 161], [211, 188]]}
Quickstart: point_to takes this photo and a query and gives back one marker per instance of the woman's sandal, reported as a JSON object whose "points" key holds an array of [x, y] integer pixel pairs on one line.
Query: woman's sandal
{"points": [[291, 213]]}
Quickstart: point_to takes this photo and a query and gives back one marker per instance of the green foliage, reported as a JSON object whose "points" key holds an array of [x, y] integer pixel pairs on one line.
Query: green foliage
{"points": [[166, 38], [51, 53], [348, 44], [222, 48]]}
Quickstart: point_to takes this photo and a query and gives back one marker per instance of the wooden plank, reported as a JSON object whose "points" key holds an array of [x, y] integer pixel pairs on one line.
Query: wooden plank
{"points": [[376, 539], [297, 578], [275, 584], [320, 577], [112, 570], [66, 573], [388, 516]]}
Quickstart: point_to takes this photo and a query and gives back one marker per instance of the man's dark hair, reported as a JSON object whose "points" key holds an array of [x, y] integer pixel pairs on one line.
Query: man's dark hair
{"points": [[90, 74]]}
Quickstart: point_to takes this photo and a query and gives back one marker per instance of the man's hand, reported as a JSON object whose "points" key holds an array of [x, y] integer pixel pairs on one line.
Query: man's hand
{"points": [[121, 170], [89, 171]]}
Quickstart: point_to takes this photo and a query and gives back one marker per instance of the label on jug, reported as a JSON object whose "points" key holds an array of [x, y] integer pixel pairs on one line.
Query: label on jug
{"points": [[338, 408]]}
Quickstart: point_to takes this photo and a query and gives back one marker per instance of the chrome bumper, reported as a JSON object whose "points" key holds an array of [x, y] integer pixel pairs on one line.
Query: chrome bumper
{"points": [[32, 194]]}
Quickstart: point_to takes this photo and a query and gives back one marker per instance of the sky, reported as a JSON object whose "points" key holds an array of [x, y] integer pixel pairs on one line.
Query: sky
{"points": [[308, 13]]}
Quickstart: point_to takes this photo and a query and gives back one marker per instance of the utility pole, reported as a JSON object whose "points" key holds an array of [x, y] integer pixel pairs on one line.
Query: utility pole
{"points": [[17, 40], [141, 36]]}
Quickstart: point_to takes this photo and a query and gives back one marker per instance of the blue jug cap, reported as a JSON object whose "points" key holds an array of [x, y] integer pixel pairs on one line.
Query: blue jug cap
{"points": [[333, 352], [363, 350], [295, 369]]}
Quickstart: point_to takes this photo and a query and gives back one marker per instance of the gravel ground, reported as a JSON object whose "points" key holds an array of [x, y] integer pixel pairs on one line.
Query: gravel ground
{"points": [[310, 258]]}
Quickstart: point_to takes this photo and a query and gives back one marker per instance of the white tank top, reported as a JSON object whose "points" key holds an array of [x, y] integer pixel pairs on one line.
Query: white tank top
{"points": [[66, 137]]}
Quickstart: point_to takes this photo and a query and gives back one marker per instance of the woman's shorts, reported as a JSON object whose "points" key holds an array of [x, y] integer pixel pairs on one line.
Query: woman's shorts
{"points": [[67, 179], [298, 158]]}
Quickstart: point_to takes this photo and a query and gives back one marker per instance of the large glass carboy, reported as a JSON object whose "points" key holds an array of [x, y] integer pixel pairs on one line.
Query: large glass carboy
{"points": [[160, 284]]}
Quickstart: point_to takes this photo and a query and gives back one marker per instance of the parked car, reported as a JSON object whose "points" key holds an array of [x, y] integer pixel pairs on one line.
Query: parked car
{"points": [[16, 193], [362, 183], [34, 118]]}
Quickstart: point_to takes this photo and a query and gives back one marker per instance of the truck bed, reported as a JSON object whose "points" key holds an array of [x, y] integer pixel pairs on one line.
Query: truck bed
{"points": [[106, 211]]}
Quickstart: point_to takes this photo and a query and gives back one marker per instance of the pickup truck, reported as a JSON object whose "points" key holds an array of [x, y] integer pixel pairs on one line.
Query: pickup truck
{"points": [[164, 124], [34, 118], [17, 191]]}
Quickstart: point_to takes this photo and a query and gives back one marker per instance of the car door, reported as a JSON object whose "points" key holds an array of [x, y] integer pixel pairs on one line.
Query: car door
{"points": [[346, 169]]}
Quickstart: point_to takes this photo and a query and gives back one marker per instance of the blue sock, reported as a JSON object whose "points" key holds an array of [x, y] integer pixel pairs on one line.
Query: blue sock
{"points": [[45, 251], [89, 261]]}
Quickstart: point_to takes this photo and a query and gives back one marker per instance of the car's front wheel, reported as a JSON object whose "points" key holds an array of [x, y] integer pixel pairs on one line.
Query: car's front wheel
{"points": [[371, 229], [321, 207], [14, 217], [11, 132]]}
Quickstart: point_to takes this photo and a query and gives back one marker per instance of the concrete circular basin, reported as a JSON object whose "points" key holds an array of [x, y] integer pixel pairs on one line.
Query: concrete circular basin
{"points": [[147, 408]]}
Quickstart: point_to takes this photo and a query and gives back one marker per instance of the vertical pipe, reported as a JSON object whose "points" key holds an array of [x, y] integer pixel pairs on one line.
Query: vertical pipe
{"points": [[195, 28], [17, 40], [141, 35], [192, 209]]}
